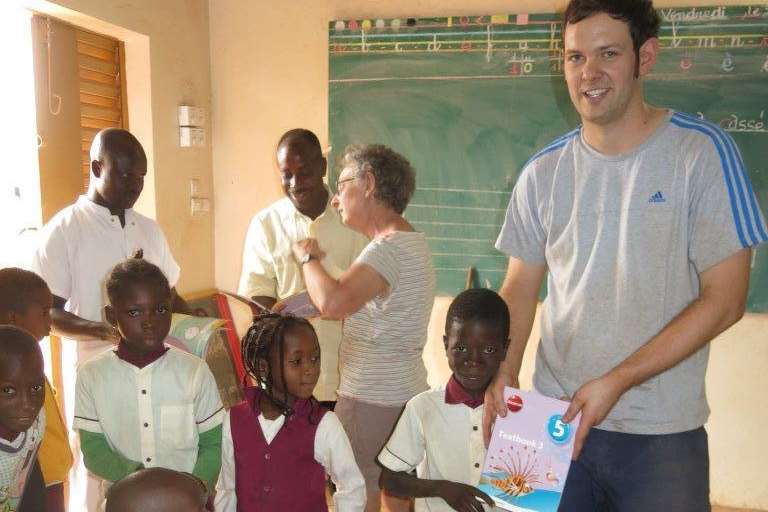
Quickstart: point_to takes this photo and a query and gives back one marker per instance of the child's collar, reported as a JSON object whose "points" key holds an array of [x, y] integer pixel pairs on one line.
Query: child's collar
{"points": [[138, 360], [456, 394], [301, 407]]}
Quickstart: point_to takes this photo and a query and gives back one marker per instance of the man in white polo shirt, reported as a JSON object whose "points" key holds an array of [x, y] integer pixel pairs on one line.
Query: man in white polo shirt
{"points": [[82, 242], [270, 272], [80, 245]]}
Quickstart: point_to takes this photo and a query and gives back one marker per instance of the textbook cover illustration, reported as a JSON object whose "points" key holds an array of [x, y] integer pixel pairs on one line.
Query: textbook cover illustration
{"points": [[529, 453]]}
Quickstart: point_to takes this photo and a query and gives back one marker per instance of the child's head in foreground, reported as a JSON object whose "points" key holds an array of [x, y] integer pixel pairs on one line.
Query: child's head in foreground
{"points": [[139, 304], [157, 490], [476, 337], [282, 353], [25, 301], [22, 380]]}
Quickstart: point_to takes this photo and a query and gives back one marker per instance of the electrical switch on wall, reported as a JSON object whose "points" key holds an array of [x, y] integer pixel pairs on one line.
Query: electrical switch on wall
{"points": [[191, 126]]}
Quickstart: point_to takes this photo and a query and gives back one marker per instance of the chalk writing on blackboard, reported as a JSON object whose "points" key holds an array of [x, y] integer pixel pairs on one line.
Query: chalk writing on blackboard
{"points": [[734, 123], [557, 63], [728, 63], [694, 14], [520, 63], [755, 12], [489, 44], [675, 40], [554, 39], [434, 45]]}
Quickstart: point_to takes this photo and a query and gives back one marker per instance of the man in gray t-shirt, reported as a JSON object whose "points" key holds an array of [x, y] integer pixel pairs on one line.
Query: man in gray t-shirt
{"points": [[643, 221]]}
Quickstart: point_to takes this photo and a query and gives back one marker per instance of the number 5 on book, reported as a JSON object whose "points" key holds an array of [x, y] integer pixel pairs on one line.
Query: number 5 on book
{"points": [[558, 431]]}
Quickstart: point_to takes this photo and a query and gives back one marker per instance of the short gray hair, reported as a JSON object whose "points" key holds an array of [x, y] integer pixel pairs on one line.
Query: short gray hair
{"points": [[395, 178]]}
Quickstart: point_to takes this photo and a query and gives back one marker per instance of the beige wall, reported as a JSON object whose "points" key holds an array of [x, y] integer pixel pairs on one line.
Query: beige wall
{"points": [[168, 64], [269, 66]]}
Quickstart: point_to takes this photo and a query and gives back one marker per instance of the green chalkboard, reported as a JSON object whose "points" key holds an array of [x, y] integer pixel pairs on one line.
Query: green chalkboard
{"points": [[469, 99]]}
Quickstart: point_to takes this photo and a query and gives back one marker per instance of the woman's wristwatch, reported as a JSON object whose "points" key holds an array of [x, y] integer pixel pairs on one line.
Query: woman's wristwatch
{"points": [[306, 259]]}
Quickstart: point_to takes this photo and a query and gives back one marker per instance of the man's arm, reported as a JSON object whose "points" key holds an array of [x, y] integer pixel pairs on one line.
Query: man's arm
{"points": [[258, 279], [69, 325], [721, 303], [520, 290], [461, 497]]}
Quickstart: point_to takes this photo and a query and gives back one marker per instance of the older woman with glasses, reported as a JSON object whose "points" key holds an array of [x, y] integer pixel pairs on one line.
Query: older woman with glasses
{"points": [[385, 299]]}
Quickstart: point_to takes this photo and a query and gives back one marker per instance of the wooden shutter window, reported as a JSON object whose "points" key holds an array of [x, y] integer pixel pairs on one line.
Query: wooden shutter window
{"points": [[101, 63]]}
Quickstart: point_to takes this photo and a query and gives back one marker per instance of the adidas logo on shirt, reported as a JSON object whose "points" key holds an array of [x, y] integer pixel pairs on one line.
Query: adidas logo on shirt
{"points": [[658, 197]]}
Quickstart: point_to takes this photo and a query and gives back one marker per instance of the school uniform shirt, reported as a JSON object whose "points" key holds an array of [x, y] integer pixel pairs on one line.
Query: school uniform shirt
{"points": [[440, 440], [81, 244], [331, 450], [152, 415], [269, 269], [17, 458]]}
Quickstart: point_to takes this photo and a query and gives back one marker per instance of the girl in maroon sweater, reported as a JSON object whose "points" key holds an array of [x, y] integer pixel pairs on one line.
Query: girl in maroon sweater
{"points": [[279, 443]]}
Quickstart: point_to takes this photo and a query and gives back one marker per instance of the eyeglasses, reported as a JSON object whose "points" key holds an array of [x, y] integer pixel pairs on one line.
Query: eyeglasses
{"points": [[340, 183]]}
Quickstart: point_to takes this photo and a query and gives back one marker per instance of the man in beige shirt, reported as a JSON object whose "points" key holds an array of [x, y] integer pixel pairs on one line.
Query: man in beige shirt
{"points": [[270, 272]]}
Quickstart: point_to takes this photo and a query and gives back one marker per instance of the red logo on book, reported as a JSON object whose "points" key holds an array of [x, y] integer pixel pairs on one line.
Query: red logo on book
{"points": [[514, 403]]}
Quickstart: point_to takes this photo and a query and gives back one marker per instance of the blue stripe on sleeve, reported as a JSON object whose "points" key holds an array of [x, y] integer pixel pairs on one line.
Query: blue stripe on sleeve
{"points": [[750, 209], [755, 208], [552, 146], [737, 202]]}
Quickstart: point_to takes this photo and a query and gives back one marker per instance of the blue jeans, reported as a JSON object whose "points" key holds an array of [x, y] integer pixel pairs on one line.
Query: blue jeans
{"points": [[639, 473]]}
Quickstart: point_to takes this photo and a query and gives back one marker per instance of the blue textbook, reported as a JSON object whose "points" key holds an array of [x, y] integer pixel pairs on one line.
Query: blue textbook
{"points": [[529, 453]]}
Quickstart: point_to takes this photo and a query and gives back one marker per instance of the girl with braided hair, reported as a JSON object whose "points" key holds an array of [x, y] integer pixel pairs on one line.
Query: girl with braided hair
{"points": [[278, 445]]}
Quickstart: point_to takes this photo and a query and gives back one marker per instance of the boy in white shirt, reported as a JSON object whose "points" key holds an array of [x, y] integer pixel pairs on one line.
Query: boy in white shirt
{"points": [[146, 404], [440, 431]]}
